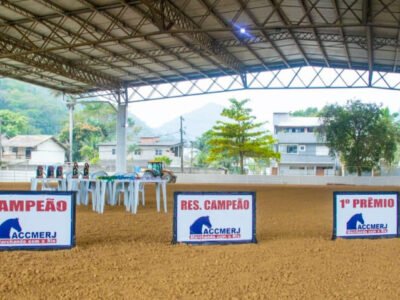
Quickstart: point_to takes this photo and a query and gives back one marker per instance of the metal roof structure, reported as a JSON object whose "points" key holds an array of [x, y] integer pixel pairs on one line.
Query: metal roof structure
{"points": [[154, 46]]}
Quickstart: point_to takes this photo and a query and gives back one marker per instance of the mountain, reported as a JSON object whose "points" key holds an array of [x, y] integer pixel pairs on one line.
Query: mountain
{"points": [[145, 130], [195, 123], [44, 109]]}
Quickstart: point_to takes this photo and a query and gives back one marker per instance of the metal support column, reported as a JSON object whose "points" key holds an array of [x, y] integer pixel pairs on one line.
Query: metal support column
{"points": [[120, 165], [71, 106]]}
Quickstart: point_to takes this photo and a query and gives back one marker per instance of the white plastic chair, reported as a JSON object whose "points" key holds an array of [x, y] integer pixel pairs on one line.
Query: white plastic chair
{"points": [[117, 189], [123, 188], [94, 189], [74, 185]]}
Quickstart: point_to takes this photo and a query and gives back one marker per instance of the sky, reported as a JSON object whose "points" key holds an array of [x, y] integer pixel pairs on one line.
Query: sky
{"points": [[263, 102]]}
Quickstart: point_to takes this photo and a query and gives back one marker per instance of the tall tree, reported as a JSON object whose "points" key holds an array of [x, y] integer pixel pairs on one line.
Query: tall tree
{"points": [[241, 136], [308, 112], [94, 123], [360, 133], [201, 143], [13, 123], [86, 138]]}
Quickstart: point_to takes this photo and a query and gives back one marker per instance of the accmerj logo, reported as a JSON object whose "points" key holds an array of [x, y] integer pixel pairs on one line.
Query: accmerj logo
{"points": [[357, 225], [11, 233], [202, 229]]}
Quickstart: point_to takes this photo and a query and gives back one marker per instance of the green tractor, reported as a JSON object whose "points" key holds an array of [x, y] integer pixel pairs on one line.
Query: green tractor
{"points": [[156, 169]]}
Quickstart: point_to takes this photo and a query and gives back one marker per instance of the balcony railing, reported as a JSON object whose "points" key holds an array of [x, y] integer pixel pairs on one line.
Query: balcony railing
{"points": [[14, 156], [297, 138]]}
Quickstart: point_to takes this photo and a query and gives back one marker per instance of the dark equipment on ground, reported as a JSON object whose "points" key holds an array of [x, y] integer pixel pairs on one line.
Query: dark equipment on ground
{"points": [[156, 169]]}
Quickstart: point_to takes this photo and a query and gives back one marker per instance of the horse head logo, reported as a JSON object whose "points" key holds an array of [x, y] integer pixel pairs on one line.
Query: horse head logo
{"points": [[5, 227], [352, 223], [197, 226]]}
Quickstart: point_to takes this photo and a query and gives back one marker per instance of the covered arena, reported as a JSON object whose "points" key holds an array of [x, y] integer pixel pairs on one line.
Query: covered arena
{"points": [[141, 50], [127, 51]]}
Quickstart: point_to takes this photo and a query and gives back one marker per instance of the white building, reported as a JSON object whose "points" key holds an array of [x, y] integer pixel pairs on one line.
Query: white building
{"points": [[147, 149], [34, 150], [302, 152]]}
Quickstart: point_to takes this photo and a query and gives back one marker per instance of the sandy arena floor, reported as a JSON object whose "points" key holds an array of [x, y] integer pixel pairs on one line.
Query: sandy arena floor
{"points": [[124, 256]]}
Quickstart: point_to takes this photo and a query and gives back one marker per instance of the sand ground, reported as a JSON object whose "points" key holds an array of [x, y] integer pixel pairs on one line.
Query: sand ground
{"points": [[124, 256]]}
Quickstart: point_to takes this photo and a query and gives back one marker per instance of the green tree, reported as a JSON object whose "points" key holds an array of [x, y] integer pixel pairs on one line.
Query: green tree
{"points": [[13, 123], [308, 112], [85, 140], [240, 137], [201, 143], [165, 159], [100, 115], [361, 134], [94, 123]]}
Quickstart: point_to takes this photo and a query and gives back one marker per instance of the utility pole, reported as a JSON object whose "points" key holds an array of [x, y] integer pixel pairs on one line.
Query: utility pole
{"points": [[191, 156], [71, 106], [181, 130]]}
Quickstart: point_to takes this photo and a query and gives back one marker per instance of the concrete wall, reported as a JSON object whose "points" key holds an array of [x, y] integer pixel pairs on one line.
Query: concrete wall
{"points": [[16, 176], [25, 176], [296, 180], [147, 153]]}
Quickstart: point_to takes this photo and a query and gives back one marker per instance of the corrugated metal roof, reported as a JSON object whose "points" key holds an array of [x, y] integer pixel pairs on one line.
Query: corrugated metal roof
{"points": [[29, 141], [86, 45], [148, 145]]}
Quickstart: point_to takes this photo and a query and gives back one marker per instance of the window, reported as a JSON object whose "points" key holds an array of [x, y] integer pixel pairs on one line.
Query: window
{"points": [[113, 151], [302, 148], [158, 152], [15, 149], [296, 168], [138, 152], [28, 153], [291, 149]]}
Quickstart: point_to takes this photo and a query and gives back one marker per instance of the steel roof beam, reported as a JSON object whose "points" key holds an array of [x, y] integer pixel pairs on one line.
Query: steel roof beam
{"points": [[132, 32], [172, 16], [366, 20], [57, 65], [67, 13], [339, 17], [283, 35], [37, 50], [396, 55], [361, 41], [186, 45], [19, 73], [38, 83], [307, 12], [264, 33], [225, 24], [284, 19], [51, 26], [163, 49], [85, 24]]}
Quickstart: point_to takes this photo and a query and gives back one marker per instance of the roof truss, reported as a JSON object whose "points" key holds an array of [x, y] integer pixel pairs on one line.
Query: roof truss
{"points": [[82, 46]]}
